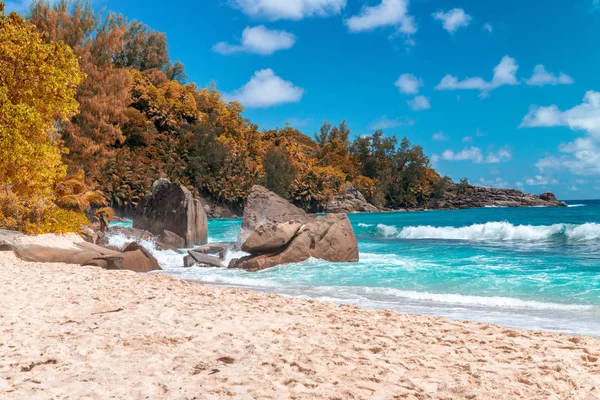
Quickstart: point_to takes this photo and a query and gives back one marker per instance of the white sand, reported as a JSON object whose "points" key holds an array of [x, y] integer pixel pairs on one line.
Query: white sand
{"points": [[169, 339]]}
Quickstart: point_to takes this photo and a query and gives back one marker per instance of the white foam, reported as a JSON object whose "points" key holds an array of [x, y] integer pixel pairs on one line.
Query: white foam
{"points": [[503, 231], [362, 225], [590, 231], [459, 299], [386, 230], [168, 259], [576, 205]]}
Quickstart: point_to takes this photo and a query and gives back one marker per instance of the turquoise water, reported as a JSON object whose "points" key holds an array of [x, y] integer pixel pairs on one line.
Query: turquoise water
{"points": [[532, 268]]}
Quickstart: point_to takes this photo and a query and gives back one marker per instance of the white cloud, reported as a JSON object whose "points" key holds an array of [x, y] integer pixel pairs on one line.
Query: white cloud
{"points": [[467, 139], [476, 156], [385, 123], [540, 180], [585, 117], [258, 40], [439, 136], [541, 77], [502, 155], [573, 188], [488, 27], [505, 73], [581, 162], [419, 103], [454, 19], [467, 154], [265, 89], [289, 9], [409, 84], [387, 13]]}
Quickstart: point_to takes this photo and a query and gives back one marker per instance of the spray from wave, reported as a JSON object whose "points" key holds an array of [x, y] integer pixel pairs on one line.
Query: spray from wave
{"points": [[499, 231]]}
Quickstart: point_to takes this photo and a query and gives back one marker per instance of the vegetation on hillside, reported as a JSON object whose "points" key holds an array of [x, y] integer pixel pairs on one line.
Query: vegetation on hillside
{"points": [[138, 120], [37, 92]]}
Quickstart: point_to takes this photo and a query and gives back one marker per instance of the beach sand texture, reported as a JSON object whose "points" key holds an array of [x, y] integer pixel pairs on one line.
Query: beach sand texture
{"points": [[84, 333]]}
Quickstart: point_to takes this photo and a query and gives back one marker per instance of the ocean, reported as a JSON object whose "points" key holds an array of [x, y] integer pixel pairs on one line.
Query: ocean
{"points": [[528, 268]]}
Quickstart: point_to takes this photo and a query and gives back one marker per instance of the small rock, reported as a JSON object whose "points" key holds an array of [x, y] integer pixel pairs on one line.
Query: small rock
{"points": [[205, 259], [188, 261]]}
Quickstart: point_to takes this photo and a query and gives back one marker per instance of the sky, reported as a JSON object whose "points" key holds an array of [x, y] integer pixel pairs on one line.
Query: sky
{"points": [[505, 93]]}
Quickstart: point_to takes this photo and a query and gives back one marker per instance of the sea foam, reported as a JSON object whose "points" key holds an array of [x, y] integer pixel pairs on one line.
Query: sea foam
{"points": [[503, 231], [459, 299]]}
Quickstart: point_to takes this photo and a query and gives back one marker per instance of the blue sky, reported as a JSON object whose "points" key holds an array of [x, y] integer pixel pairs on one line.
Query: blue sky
{"points": [[506, 93]]}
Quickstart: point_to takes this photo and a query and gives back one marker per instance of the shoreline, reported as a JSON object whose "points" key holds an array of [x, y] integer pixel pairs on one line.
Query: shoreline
{"points": [[86, 332], [429, 309]]}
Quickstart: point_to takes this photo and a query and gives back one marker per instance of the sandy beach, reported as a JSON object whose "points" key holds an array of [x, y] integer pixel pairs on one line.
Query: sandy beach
{"points": [[85, 333]]}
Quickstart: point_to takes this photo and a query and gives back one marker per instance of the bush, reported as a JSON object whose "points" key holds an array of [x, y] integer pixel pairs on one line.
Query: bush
{"points": [[57, 220]]}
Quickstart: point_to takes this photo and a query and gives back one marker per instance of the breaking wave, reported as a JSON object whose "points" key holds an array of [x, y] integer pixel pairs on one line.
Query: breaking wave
{"points": [[501, 231]]}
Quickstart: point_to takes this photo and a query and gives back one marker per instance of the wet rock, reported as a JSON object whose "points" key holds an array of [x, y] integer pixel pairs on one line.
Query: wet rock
{"points": [[276, 232], [205, 259]]}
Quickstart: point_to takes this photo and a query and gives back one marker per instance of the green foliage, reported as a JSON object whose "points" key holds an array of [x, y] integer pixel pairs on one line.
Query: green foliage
{"points": [[279, 171], [404, 175], [463, 186]]}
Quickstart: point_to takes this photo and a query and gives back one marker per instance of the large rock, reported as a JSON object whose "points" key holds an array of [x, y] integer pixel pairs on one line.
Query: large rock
{"points": [[548, 196], [136, 260], [329, 238], [171, 207], [350, 202], [265, 206], [68, 249], [271, 236], [279, 233]]}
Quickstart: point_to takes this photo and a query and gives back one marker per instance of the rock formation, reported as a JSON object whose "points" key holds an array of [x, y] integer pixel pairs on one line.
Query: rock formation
{"points": [[72, 249], [171, 207], [478, 196], [275, 232], [265, 206], [351, 201]]}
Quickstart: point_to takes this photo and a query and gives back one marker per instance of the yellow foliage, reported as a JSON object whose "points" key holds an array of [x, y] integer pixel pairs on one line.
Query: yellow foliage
{"points": [[72, 194], [37, 89], [58, 220], [107, 212]]}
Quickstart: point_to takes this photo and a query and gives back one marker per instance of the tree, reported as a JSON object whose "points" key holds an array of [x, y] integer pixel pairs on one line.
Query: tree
{"points": [[279, 172], [37, 89]]}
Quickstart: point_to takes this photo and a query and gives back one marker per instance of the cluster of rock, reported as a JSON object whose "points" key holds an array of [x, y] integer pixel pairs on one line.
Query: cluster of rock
{"points": [[478, 196], [72, 249], [275, 232], [170, 216], [350, 202]]}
